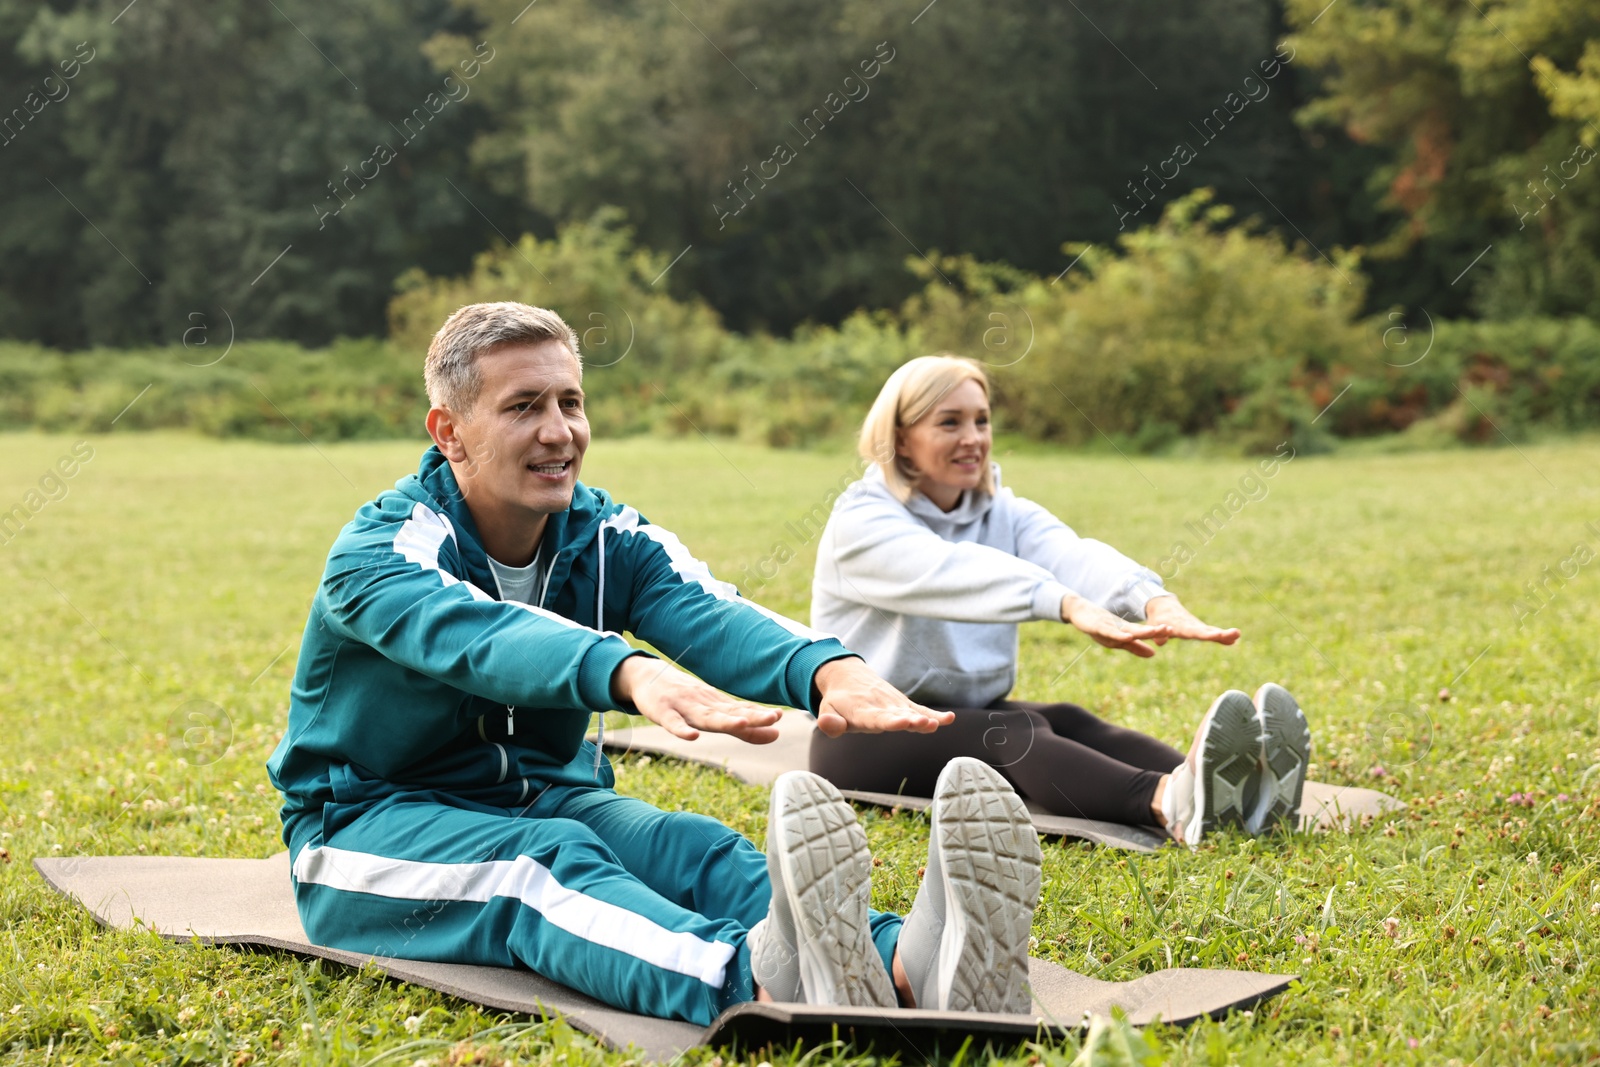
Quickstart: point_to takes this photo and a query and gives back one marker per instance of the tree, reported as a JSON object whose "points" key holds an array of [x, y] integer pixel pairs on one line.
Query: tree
{"points": [[203, 165], [757, 138], [1487, 109]]}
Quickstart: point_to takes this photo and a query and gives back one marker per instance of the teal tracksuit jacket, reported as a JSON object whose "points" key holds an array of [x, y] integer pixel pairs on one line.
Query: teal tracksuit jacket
{"points": [[441, 801]]}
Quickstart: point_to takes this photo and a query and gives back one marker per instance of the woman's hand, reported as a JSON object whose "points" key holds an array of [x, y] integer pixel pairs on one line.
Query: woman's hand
{"points": [[684, 705], [1165, 610], [854, 698], [1110, 630]]}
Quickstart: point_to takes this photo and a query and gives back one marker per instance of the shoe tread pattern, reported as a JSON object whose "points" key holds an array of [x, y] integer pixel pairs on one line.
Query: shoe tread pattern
{"points": [[828, 870], [1286, 741], [991, 858], [1230, 761]]}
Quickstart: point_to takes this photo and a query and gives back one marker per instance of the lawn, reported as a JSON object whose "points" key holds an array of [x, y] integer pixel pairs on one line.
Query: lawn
{"points": [[157, 603]]}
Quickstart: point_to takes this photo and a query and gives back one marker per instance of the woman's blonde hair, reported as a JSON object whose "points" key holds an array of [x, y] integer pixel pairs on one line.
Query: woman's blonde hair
{"points": [[910, 394]]}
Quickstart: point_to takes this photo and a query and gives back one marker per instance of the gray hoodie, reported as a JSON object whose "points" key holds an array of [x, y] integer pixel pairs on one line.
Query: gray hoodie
{"points": [[931, 599]]}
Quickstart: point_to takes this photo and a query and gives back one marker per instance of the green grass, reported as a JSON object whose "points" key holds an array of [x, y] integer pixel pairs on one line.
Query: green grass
{"points": [[174, 576]]}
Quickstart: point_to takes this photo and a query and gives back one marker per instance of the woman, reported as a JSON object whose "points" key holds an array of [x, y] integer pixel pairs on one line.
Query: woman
{"points": [[927, 566]]}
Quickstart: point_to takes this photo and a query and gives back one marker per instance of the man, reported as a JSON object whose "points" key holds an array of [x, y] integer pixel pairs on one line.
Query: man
{"points": [[442, 802]]}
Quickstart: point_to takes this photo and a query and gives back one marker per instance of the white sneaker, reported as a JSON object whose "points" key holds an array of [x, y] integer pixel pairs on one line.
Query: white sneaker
{"points": [[815, 946], [1226, 762], [964, 946], [1177, 802], [1285, 752]]}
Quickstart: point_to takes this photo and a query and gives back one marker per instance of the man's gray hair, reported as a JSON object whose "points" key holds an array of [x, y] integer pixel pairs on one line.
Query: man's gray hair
{"points": [[451, 371]]}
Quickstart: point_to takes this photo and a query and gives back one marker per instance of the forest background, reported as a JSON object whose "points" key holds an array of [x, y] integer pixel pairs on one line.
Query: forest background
{"points": [[1230, 222]]}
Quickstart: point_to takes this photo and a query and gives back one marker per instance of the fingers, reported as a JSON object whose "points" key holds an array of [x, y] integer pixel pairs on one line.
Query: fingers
{"points": [[1186, 625], [727, 716], [1162, 630], [831, 723], [917, 721], [1127, 644], [755, 735], [1098, 622], [1201, 632], [921, 719], [1112, 628], [1113, 632], [1129, 638], [836, 718], [684, 706], [675, 725]]}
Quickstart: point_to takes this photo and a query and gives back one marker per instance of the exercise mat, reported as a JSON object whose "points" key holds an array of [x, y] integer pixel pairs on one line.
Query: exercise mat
{"points": [[1322, 806], [250, 903]]}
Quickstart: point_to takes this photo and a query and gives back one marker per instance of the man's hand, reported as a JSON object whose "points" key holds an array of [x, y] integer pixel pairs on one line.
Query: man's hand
{"points": [[1166, 611], [1110, 630], [684, 705], [855, 698]]}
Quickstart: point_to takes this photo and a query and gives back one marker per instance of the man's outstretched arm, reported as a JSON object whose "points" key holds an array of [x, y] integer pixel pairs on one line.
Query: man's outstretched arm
{"points": [[683, 705], [853, 697], [849, 696], [673, 601]]}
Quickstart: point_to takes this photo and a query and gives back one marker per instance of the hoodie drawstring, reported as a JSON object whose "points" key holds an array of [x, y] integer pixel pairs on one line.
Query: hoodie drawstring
{"points": [[544, 591], [600, 625]]}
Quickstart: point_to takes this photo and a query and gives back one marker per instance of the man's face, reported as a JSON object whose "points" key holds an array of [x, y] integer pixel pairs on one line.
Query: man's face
{"points": [[524, 445]]}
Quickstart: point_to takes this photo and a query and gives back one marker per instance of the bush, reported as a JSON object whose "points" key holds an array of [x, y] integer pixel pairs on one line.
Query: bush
{"points": [[1483, 379], [266, 389], [655, 364], [635, 338], [1195, 330]]}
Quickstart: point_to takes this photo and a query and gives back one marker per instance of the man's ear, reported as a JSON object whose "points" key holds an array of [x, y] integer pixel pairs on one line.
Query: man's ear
{"points": [[442, 428]]}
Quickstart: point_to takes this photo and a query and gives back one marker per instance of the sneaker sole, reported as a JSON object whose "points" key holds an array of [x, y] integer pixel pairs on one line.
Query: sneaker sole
{"points": [[1286, 748], [827, 882], [1229, 763], [990, 860]]}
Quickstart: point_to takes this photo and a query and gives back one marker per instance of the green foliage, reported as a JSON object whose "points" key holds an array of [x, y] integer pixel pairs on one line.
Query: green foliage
{"points": [[1192, 329], [635, 338], [198, 150], [802, 149], [1484, 382], [814, 385], [1112, 1042], [1487, 111], [266, 389], [656, 363], [790, 154], [189, 154]]}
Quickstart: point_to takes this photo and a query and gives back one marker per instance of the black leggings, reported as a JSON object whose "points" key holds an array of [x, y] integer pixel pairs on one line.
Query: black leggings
{"points": [[1058, 755]]}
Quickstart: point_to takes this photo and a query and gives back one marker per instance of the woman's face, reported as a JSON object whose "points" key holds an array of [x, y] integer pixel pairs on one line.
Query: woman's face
{"points": [[949, 446]]}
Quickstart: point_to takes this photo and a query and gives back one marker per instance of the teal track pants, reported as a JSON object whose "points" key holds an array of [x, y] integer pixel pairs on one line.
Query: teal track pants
{"points": [[643, 909]]}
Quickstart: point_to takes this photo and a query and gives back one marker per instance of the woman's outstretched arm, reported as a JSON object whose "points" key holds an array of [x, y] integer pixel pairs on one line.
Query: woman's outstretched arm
{"points": [[875, 552], [1111, 586], [1091, 568], [1184, 625]]}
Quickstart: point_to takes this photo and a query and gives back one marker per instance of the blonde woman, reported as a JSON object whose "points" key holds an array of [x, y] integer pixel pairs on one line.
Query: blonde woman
{"points": [[926, 567]]}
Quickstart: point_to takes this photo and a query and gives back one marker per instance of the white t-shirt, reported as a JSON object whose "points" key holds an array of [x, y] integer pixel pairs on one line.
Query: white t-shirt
{"points": [[519, 583]]}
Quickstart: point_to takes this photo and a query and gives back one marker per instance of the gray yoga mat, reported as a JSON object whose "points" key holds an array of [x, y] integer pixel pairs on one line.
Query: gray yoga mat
{"points": [[250, 903], [1325, 807]]}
